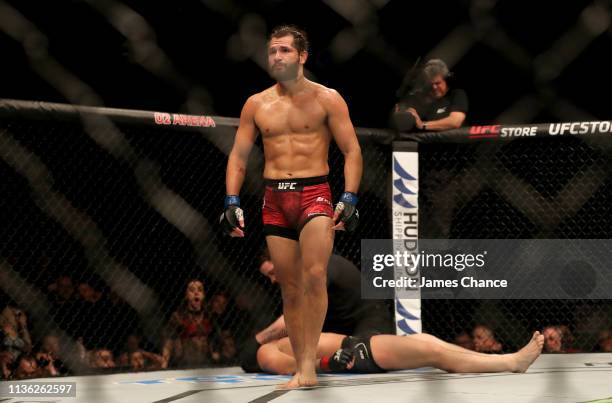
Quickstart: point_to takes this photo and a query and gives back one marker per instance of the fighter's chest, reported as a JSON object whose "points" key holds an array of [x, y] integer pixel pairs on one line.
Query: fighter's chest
{"points": [[282, 117]]}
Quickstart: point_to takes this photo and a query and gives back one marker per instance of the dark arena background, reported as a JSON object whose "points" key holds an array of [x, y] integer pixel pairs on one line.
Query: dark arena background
{"points": [[109, 209]]}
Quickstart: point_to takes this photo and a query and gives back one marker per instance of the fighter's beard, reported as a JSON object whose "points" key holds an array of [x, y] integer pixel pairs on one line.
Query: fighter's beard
{"points": [[290, 73]]}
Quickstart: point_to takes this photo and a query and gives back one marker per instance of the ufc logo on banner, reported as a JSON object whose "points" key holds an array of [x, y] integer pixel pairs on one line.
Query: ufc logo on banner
{"points": [[286, 186], [484, 129]]}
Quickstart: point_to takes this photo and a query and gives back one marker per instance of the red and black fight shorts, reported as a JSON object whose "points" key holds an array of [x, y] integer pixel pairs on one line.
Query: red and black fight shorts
{"points": [[290, 203]]}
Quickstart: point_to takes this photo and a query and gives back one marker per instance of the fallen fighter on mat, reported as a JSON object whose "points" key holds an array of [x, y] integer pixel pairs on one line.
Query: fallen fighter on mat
{"points": [[379, 353]]}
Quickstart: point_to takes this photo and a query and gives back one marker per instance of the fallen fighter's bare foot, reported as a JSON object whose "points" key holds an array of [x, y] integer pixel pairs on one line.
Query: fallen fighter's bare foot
{"points": [[529, 353]]}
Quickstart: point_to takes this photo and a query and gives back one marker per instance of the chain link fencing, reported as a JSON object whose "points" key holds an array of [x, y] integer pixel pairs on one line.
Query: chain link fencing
{"points": [[109, 222], [102, 212], [540, 188]]}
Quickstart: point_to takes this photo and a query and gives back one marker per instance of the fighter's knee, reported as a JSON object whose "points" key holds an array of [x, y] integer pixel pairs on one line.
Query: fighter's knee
{"points": [[289, 285], [384, 358], [437, 357], [316, 274]]}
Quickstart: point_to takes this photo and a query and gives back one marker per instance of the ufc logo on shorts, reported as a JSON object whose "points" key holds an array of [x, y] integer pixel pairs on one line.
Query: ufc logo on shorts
{"points": [[323, 200], [286, 186]]}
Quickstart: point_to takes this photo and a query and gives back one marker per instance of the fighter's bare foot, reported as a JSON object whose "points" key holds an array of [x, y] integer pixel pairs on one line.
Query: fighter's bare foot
{"points": [[292, 384], [308, 379], [529, 353], [300, 380]]}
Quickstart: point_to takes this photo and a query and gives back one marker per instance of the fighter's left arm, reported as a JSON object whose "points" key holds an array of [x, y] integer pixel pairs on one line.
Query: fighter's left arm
{"points": [[342, 130]]}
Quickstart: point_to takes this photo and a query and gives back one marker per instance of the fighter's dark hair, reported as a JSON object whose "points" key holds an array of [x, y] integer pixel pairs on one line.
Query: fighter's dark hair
{"points": [[300, 38]]}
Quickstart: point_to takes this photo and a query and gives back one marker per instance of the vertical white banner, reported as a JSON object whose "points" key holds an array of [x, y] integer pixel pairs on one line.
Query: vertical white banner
{"points": [[405, 216]]}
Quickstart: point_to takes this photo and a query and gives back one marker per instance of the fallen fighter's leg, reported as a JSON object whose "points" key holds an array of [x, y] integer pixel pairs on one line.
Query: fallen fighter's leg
{"points": [[415, 351]]}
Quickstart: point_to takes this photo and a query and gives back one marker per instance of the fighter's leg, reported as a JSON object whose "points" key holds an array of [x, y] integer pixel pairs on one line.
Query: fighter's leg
{"points": [[406, 352], [277, 357], [328, 344], [285, 255], [523, 358], [316, 242], [442, 343], [272, 360]]}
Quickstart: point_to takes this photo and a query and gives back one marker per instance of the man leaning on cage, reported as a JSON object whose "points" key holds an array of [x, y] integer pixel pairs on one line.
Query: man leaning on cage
{"points": [[427, 102]]}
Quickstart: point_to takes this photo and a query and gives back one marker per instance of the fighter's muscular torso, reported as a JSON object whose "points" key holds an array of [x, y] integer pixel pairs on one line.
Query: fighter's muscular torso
{"points": [[294, 130]]}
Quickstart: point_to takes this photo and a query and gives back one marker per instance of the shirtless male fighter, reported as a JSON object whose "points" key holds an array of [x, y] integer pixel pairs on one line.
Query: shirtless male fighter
{"points": [[297, 119]]}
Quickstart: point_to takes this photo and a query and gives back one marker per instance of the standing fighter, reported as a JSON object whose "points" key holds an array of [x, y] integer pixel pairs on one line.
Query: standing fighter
{"points": [[297, 119]]}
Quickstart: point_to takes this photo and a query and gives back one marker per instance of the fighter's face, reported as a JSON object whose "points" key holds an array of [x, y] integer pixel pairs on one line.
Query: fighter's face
{"points": [[284, 60], [439, 87], [195, 294]]}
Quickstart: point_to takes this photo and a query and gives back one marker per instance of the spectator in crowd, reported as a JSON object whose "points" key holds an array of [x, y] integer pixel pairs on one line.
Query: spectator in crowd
{"points": [[29, 366], [81, 355], [62, 289], [347, 313], [568, 340], [132, 344], [16, 338], [553, 339], [25, 367], [137, 358], [101, 358], [225, 327], [121, 315], [65, 307], [93, 315], [46, 364], [246, 313], [484, 340], [187, 334], [558, 339], [6, 363], [88, 293], [605, 341], [144, 361], [219, 312], [224, 351], [427, 102], [51, 346], [464, 340]]}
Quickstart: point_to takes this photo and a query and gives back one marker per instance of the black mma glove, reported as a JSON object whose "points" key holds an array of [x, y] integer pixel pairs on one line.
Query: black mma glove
{"points": [[347, 212], [338, 362], [232, 219]]}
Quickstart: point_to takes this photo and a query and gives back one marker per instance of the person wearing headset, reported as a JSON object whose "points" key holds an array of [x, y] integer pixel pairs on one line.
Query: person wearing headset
{"points": [[431, 104]]}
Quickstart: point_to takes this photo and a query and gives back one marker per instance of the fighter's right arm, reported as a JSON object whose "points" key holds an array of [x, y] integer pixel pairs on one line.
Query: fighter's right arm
{"points": [[243, 143]]}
